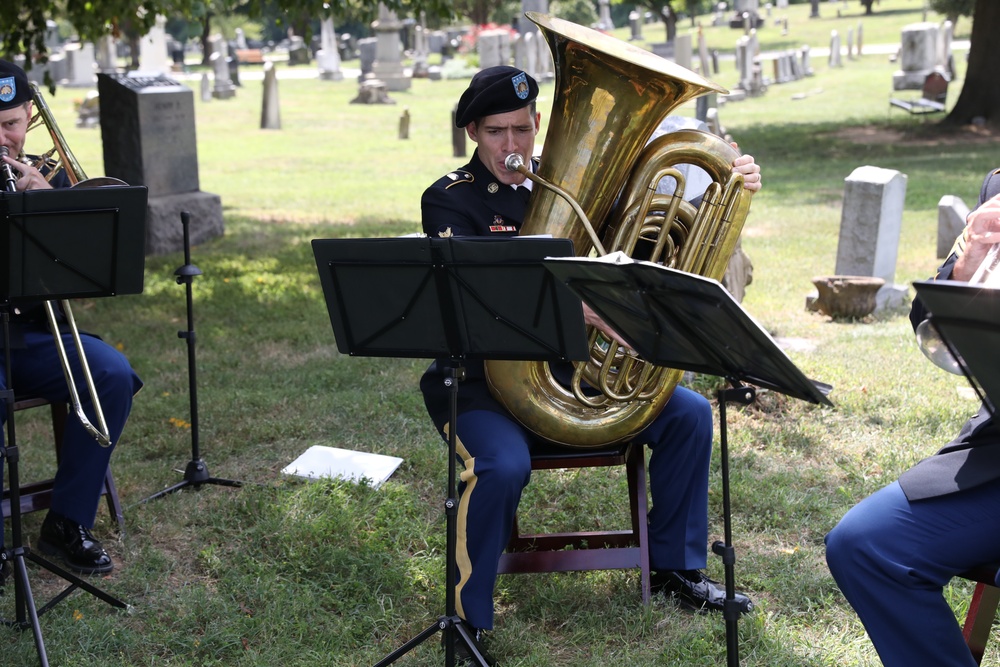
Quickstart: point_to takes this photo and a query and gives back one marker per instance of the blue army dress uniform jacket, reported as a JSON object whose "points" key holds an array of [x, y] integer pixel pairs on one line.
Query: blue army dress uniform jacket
{"points": [[467, 202], [973, 457], [471, 202]]}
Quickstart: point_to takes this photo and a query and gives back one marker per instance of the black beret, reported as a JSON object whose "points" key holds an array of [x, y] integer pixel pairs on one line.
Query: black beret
{"points": [[14, 88], [495, 90], [991, 187]]}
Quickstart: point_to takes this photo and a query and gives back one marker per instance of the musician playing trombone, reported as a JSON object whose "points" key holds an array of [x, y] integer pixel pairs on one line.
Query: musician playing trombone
{"points": [[37, 371], [485, 199], [893, 552]]}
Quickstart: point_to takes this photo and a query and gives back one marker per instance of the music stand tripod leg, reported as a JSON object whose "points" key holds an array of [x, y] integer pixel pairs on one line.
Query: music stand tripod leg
{"points": [[451, 623], [731, 608], [26, 614]]}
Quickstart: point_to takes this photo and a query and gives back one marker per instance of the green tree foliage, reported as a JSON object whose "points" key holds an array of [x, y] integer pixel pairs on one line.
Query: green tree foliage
{"points": [[953, 9], [577, 11], [667, 10], [23, 22]]}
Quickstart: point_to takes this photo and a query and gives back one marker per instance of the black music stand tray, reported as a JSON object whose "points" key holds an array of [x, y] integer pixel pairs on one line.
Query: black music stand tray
{"points": [[967, 317], [685, 321], [453, 299], [60, 244]]}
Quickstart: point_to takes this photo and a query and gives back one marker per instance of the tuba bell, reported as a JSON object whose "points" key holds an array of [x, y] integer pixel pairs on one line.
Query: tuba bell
{"points": [[609, 98], [51, 162]]}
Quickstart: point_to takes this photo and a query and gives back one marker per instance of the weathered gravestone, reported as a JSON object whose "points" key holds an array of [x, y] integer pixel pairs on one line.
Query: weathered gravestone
{"points": [[918, 56], [270, 111], [388, 65], [148, 131], [493, 47], [952, 214], [81, 65], [870, 223], [328, 57]]}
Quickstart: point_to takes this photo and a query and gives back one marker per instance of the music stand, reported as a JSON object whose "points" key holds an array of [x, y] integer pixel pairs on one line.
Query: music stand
{"points": [[60, 244], [454, 299], [685, 321], [196, 471], [967, 317]]}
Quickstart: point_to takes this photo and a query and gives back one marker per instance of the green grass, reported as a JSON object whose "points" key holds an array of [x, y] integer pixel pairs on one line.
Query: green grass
{"points": [[283, 572]]}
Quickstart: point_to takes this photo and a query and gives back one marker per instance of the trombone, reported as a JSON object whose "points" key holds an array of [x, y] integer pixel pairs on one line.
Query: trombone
{"points": [[65, 160]]}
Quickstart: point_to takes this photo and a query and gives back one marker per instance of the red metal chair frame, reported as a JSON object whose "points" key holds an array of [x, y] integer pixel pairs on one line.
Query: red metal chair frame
{"points": [[594, 550]]}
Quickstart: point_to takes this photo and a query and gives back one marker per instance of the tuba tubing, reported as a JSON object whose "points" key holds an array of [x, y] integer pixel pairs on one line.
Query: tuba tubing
{"points": [[608, 100]]}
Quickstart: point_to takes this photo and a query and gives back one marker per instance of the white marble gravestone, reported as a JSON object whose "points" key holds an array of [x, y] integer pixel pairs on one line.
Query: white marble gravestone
{"points": [[870, 223]]}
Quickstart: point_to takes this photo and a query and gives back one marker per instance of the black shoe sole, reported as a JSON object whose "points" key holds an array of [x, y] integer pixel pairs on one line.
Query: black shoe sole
{"points": [[51, 550]]}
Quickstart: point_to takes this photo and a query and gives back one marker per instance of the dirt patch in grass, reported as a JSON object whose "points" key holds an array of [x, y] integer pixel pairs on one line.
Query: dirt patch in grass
{"points": [[929, 134]]}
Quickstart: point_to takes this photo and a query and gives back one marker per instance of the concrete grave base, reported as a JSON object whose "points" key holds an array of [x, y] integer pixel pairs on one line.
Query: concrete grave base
{"points": [[164, 231]]}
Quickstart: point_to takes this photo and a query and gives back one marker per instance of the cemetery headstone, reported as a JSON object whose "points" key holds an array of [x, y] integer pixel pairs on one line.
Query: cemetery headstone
{"points": [[328, 56], [870, 223], [81, 66], [388, 65], [107, 54], [270, 113], [834, 60], [952, 214], [918, 56], [148, 133], [223, 88], [153, 56]]}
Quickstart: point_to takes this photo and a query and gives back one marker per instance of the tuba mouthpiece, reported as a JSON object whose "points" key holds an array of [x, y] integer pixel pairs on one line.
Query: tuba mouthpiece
{"points": [[513, 161]]}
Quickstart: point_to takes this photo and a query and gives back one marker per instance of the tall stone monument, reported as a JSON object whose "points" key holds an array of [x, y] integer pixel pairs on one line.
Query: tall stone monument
{"points": [[148, 131], [388, 65], [870, 224], [328, 57], [153, 56], [270, 112]]}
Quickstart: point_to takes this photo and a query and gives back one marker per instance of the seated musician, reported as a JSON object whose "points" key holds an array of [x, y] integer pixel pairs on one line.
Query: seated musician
{"points": [[484, 199], [36, 370], [893, 553]]}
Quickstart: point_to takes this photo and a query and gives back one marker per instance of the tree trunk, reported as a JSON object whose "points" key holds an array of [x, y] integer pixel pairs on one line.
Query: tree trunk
{"points": [[206, 35], [670, 21], [133, 44], [980, 97]]}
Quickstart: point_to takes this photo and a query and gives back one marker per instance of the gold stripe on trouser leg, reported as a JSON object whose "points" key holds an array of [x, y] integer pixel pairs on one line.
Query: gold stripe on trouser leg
{"points": [[462, 560]]}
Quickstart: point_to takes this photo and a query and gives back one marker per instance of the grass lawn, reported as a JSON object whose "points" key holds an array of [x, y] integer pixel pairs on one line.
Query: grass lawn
{"points": [[285, 572]]}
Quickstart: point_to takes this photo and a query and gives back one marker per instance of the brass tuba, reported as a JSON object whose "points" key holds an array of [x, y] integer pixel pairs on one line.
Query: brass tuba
{"points": [[60, 157], [609, 98]]}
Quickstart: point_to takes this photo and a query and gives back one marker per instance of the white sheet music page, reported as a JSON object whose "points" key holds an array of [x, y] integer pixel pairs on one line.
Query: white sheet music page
{"points": [[320, 461]]}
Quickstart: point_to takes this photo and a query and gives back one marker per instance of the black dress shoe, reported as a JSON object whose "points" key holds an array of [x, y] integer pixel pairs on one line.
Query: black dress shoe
{"points": [[696, 591], [462, 654], [74, 544]]}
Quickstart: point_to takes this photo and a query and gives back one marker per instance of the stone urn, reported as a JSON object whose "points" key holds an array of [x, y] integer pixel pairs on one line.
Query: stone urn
{"points": [[848, 297]]}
